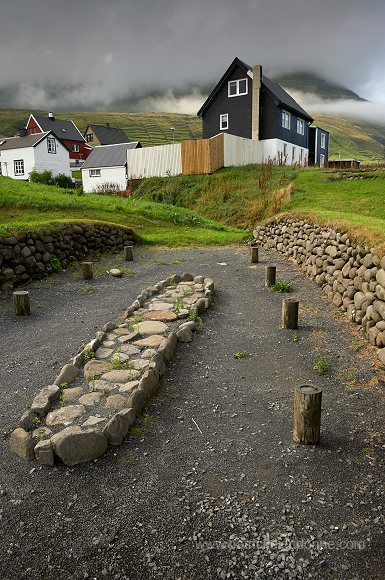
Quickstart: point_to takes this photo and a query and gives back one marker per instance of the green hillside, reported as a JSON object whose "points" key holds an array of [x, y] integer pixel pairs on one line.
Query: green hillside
{"points": [[309, 83], [148, 128]]}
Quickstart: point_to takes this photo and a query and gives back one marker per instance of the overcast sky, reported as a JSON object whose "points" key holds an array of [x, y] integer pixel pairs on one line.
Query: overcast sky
{"points": [[61, 53]]}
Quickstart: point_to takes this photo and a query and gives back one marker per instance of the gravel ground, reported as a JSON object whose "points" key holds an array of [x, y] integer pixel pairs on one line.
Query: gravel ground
{"points": [[211, 486]]}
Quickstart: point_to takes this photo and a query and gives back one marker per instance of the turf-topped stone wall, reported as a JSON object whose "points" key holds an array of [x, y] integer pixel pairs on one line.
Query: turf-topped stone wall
{"points": [[34, 255], [97, 396], [352, 276]]}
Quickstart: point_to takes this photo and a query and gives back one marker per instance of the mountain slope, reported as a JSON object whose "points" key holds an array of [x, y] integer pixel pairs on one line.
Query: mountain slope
{"points": [[309, 83]]}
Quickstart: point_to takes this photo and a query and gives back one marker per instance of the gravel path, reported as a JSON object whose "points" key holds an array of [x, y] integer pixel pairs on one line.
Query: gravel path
{"points": [[211, 486]]}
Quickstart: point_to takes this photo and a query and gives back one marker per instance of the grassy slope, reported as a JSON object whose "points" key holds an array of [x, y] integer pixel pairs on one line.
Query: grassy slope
{"points": [[237, 196], [30, 206], [148, 128], [355, 205]]}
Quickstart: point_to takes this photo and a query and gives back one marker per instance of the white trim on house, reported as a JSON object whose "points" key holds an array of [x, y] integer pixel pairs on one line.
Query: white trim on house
{"points": [[236, 83], [223, 121], [286, 119]]}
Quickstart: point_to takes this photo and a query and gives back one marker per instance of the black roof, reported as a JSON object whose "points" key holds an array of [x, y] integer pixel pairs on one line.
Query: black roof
{"points": [[62, 129], [271, 86], [109, 135]]}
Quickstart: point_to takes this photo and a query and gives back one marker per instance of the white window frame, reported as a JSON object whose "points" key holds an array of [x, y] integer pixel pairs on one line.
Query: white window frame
{"points": [[322, 160], [286, 118], [18, 167], [293, 153], [300, 126], [301, 152], [323, 141], [94, 172], [223, 122], [235, 84], [75, 148], [51, 144], [285, 150]]}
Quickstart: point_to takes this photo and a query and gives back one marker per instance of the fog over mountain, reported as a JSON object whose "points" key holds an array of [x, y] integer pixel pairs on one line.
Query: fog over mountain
{"points": [[164, 55]]}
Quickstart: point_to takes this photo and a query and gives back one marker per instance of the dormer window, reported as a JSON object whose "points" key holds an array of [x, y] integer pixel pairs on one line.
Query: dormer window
{"points": [[89, 137], [237, 88]]}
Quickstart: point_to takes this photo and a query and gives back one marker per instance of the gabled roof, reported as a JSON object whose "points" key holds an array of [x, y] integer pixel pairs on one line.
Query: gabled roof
{"points": [[62, 129], [108, 135], [109, 155], [272, 87], [22, 142]]}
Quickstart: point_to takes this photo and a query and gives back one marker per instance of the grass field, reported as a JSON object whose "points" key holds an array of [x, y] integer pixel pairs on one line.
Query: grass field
{"points": [[30, 206]]}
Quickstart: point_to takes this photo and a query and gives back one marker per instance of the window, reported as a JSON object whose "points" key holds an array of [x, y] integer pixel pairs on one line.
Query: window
{"points": [[51, 145], [32, 130], [285, 150], [301, 156], [89, 137], [75, 147], [223, 122], [237, 88], [94, 172], [293, 154], [322, 160], [285, 120], [323, 141], [300, 127], [18, 167]]}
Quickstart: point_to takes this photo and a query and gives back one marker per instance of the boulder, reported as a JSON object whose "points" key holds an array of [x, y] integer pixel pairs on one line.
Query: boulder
{"points": [[117, 427], [74, 445], [22, 444], [45, 399]]}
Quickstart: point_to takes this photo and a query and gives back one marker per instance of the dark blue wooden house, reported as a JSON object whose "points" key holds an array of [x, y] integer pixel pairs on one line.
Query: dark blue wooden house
{"points": [[248, 104]]}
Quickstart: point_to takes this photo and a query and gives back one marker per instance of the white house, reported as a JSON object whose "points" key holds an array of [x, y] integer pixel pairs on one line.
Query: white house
{"points": [[41, 152], [107, 166]]}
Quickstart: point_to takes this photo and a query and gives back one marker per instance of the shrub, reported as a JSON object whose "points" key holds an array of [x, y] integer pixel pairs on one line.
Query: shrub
{"points": [[63, 180], [45, 177]]}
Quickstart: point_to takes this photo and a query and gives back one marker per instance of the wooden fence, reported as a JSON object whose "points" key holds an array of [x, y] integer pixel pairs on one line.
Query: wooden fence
{"points": [[203, 155]]}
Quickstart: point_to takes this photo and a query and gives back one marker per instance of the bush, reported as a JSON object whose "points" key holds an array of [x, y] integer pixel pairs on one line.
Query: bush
{"points": [[63, 181], [46, 177]]}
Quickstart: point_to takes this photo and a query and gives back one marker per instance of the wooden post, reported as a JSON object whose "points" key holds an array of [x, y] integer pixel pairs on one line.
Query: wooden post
{"points": [[270, 276], [254, 254], [87, 270], [307, 415], [290, 313], [128, 255], [21, 302]]}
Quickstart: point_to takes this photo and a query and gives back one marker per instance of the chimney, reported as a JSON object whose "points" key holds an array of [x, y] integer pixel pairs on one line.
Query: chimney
{"points": [[23, 132], [257, 81], [51, 116]]}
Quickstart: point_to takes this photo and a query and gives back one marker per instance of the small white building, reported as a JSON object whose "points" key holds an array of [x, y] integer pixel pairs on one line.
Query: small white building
{"points": [[106, 167], [39, 152]]}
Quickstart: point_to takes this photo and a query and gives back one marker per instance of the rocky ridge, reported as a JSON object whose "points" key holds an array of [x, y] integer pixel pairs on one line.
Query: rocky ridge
{"points": [[96, 398]]}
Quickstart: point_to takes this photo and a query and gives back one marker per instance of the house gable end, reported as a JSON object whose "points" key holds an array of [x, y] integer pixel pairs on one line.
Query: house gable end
{"points": [[236, 64]]}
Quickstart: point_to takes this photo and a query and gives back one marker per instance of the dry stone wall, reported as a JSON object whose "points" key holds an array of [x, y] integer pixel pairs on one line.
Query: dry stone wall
{"points": [[34, 255], [97, 396], [351, 275]]}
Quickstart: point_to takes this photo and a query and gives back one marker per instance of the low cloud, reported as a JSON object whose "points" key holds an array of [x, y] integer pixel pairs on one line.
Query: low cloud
{"points": [[168, 102], [345, 108]]}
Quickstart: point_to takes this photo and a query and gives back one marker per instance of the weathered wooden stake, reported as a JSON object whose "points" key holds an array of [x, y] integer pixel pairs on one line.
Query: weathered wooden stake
{"points": [[254, 254], [128, 255], [270, 276], [290, 314], [307, 415], [87, 270], [21, 302]]}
